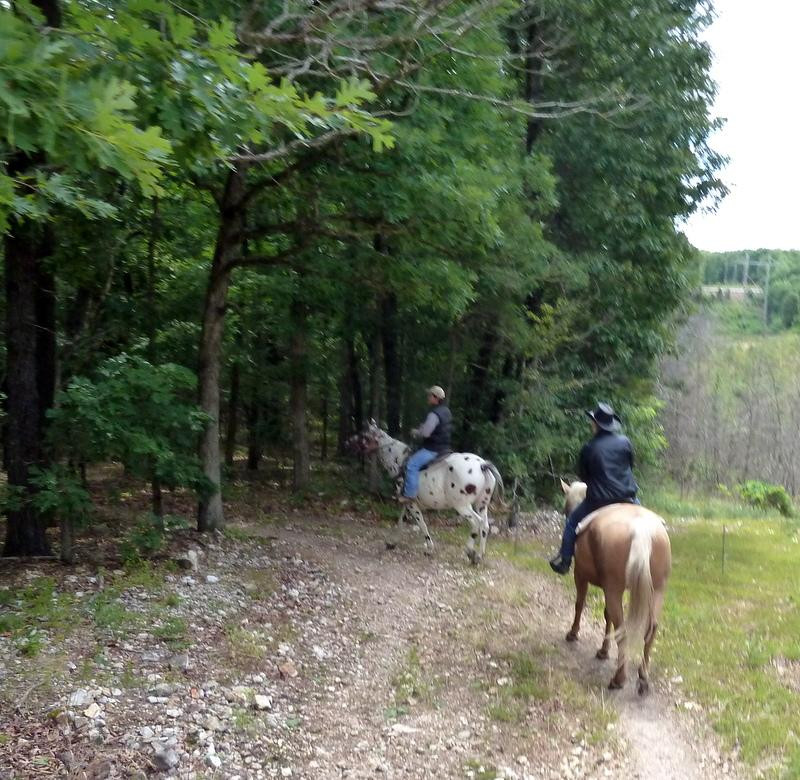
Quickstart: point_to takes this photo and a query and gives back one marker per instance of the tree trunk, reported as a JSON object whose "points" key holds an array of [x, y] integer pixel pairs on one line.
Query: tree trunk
{"points": [[324, 413], [30, 355], [478, 390], [157, 497], [232, 428], [30, 376], [345, 397], [391, 362], [152, 304], [51, 10], [45, 334], [374, 350], [253, 436], [451, 361], [152, 318], [298, 370], [355, 383], [374, 343], [534, 63], [229, 236], [67, 536], [499, 397]]}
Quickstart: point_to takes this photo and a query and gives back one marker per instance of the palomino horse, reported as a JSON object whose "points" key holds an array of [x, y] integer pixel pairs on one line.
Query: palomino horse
{"points": [[460, 481], [621, 547]]}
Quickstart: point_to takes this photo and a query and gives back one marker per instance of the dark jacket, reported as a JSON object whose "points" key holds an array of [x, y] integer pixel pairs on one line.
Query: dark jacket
{"points": [[439, 440], [606, 466]]}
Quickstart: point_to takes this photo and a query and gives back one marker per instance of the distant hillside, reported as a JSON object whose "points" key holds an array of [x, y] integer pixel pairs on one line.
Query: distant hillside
{"points": [[733, 292], [750, 274], [730, 395], [729, 267]]}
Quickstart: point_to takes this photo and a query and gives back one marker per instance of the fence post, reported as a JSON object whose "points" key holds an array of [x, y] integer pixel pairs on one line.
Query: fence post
{"points": [[724, 535]]}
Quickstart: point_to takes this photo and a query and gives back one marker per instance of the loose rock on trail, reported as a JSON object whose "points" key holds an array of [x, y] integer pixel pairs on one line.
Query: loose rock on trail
{"points": [[307, 649]]}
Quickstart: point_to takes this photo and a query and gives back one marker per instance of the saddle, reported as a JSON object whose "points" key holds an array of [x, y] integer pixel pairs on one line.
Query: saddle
{"points": [[438, 459], [401, 476]]}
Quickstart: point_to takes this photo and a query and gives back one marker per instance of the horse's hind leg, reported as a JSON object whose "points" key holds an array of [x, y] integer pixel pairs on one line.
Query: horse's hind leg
{"points": [[582, 586], [614, 609], [484, 525], [602, 653], [482, 508], [475, 523], [643, 685], [416, 513]]}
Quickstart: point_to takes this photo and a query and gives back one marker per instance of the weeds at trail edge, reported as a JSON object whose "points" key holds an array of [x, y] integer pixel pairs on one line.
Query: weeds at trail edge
{"points": [[732, 636]]}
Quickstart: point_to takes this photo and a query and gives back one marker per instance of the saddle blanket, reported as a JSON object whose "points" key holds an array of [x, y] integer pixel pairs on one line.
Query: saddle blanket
{"points": [[587, 521]]}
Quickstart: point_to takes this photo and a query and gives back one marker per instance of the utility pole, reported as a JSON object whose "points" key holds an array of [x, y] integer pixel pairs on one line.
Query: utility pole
{"points": [[766, 293]]}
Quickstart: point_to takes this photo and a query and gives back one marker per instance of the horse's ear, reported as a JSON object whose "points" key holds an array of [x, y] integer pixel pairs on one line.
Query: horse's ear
{"points": [[564, 486]]}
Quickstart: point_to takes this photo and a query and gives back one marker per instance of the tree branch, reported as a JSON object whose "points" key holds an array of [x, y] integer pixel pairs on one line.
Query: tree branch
{"points": [[284, 150], [268, 261]]}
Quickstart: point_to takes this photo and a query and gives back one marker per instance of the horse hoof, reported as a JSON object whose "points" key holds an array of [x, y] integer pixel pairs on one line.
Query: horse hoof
{"points": [[615, 684], [572, 636], [602, 655], [429, 551], [642, 687], [391, 545], [471, 557]]}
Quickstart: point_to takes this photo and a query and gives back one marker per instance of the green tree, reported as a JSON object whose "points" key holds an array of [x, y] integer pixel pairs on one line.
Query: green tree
{"points": [[65, 116]]}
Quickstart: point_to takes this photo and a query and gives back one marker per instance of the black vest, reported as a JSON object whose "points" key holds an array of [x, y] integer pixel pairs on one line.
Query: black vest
{"points": [[439, 440]]}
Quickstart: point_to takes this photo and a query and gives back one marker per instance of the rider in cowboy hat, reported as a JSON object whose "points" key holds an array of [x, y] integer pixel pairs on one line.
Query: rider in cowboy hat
{"points": [[606, 466], [435, 435]]}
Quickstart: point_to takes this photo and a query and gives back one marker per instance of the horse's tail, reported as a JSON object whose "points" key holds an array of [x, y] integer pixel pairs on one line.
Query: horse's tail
{"points": [[639, 578], [487, 465]]}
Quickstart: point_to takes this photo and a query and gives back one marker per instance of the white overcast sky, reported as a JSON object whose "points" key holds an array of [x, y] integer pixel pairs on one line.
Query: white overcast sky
{"points": [[756, 55]]}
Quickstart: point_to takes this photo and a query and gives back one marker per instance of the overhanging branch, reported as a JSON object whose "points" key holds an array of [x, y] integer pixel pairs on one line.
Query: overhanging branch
{"points": [[284, 150]]}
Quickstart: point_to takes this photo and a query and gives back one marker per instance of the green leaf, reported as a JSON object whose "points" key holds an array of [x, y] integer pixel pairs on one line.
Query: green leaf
{"points": [[257, 77], [14, 102], [353, 93], [221, 35], [182, 28]]}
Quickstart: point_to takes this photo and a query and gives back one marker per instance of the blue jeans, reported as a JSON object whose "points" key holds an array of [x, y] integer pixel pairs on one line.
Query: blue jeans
{"points": [[583, 510], [419, 459]]}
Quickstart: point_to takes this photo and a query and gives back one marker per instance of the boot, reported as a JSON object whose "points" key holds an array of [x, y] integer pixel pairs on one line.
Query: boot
{"points": [[560, 565]]}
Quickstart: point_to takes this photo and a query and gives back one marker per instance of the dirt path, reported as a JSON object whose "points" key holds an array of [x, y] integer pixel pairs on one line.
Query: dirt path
{"points": [[430, 621], [305, 648], [659, 745]]}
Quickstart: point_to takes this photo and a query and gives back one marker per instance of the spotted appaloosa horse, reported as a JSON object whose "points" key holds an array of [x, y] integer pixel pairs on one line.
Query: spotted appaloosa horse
{"points": [[461, 481], [621, 547]]}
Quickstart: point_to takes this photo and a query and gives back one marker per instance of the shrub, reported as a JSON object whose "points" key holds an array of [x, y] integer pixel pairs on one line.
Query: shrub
{"points": [[763, 495], [147, 538], [136, 413]]}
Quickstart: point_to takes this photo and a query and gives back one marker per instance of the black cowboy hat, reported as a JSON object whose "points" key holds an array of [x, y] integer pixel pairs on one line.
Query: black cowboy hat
{"points": [[605, 417]]}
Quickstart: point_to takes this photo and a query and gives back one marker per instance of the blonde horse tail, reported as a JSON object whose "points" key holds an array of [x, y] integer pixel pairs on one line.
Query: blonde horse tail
{"points": [[639, 579]]}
